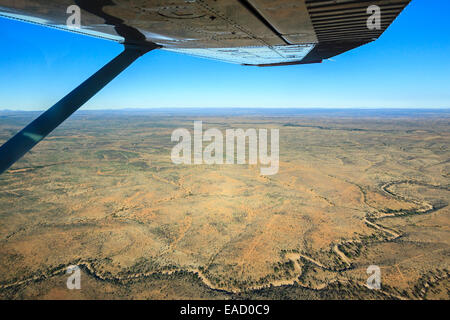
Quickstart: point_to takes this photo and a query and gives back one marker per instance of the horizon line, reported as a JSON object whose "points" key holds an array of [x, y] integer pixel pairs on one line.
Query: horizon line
{"points": [[241, 108]]}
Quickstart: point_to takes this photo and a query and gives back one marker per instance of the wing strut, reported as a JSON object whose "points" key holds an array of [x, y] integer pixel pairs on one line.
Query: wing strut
{"points": [[37, 130]]}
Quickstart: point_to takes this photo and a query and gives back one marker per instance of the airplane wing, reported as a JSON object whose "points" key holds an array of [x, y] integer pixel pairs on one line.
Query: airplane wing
{"points": [[248, 32]]}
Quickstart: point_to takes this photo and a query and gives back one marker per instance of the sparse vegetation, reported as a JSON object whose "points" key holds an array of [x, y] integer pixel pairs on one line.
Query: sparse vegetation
{"points": [[103, 193]]}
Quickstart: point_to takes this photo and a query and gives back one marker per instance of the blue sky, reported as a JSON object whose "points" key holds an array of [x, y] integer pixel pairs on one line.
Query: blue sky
{"points": [[408, 67]]}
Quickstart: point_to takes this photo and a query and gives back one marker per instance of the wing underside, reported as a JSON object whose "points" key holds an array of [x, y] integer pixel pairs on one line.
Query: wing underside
{"points": [[250, 32]]}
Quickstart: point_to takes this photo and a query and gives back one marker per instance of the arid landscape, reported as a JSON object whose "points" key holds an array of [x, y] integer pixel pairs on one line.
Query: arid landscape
{"points": [[354, 189]]}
